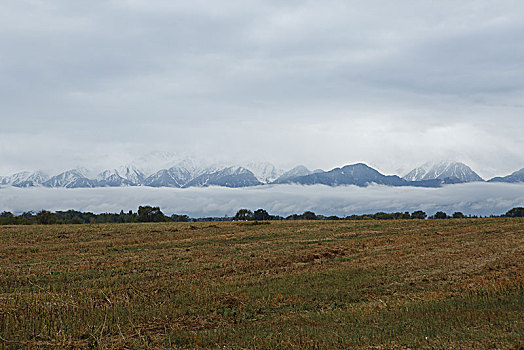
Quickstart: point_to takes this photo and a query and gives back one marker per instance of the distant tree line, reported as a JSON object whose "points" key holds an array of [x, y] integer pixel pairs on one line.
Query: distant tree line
{"points": [[145, 214], [154, 214], [260, 214]]}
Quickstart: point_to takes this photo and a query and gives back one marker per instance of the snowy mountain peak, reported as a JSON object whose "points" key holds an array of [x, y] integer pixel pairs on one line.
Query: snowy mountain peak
{"points": [[112, 178], [131, 173], [234, 176], [443, 170], [19, 177], [264, 172], [192, 167], [25, 179], [297, 171], [107, 174], [35, 179], [71, 179]]}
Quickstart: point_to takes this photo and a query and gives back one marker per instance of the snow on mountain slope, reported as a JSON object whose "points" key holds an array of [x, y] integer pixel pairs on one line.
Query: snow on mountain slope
{"points": [[417, 174], [172, 177], [131, 173], [25, 179], [355, 174], [16, 178], [517, 176], [74, 178], [264, 172], [34, 179], [111, 178], [191, 168], [234, 176], [443, 170], [297, 171], [180, 174]]}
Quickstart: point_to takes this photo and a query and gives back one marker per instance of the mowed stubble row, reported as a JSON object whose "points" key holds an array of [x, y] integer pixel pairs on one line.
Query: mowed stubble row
{"points": [[258, 285]]}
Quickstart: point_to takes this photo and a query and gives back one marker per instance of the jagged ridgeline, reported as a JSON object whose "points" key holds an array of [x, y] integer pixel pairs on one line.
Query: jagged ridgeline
{"points": [[188, 173]]}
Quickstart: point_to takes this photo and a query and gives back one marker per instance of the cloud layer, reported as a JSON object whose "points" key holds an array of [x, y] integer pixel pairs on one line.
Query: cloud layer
{"points": [[474, 198]]}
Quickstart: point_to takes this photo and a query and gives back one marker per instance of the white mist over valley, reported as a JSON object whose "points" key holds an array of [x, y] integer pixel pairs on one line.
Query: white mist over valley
{"points": [[472, 199]]}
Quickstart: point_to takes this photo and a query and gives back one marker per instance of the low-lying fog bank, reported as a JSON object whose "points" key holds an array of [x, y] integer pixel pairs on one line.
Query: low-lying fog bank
{"points": [[473, 198]]}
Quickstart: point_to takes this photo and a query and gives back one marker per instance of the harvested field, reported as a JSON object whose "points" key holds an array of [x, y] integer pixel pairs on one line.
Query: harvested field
{"points": [[245, 285]]}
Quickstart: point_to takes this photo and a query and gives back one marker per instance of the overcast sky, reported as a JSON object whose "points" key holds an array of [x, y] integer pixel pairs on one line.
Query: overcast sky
{"points": [[320, 83]]}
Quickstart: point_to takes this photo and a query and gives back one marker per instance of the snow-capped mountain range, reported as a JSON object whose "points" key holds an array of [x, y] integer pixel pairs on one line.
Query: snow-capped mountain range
{"points": [[184, 173]]}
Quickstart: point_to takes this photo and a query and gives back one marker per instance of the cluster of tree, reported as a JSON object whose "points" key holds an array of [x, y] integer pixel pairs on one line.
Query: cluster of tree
{"points": [[442, 215], [145, 214], [257, 215], [154, 214], [515, 213], [261, 214], [419, 214]]}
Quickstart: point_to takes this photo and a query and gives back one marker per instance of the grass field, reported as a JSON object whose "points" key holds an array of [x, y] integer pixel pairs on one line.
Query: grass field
{"points": [[278, 285]]}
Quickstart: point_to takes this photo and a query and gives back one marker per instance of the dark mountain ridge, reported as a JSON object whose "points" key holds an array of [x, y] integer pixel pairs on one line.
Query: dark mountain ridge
{"points": [[356, 174], [517, 176]]}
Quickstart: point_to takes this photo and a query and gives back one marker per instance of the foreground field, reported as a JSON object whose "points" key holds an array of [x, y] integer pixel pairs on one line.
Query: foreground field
{"points": [[304, 285]]}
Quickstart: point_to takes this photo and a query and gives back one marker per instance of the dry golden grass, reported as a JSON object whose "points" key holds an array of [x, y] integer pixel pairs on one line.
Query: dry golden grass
{"points": [[279, 285]]}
